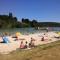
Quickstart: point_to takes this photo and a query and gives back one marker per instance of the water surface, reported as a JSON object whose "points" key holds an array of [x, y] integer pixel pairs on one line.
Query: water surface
{"points": [[27, 30]]}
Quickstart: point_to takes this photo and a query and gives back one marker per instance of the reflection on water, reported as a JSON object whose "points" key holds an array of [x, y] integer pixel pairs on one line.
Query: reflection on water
{"points": [[27, 30]]}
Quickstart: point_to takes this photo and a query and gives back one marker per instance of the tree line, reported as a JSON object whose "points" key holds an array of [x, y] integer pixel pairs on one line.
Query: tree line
{"points": [[8, 21]]}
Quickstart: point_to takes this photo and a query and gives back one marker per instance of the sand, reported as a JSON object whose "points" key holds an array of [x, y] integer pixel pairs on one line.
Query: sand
{"points": [[13, 45]]}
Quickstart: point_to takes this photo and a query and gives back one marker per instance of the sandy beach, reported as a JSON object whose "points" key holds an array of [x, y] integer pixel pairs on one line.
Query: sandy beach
{"points": [[13, 45]]}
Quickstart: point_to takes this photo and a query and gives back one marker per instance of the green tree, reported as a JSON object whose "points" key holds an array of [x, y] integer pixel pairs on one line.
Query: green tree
{"points": [[34, 23]]}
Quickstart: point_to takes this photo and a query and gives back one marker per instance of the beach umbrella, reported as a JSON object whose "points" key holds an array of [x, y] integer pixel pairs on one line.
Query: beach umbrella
{"points": [[18, 33]]}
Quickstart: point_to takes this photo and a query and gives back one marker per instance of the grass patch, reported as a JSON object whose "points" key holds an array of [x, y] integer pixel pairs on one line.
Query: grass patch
{"points": [[49, 51]]}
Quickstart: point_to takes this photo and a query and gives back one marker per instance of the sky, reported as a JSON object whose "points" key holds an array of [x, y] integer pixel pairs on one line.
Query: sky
{"points": [[40, 10]]}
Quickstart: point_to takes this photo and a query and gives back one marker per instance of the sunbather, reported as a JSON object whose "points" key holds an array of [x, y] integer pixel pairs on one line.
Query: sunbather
{"points": [[31, 44], [42, 39], [22, 45], [26, 45], [5, 38]]}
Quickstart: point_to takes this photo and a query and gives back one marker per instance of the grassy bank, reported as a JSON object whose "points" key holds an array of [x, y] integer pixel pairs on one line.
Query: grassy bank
{"points": [[43, 52]]}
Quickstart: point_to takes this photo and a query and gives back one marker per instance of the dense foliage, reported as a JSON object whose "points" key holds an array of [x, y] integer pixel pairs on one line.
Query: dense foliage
{"points": [[8, 21]]}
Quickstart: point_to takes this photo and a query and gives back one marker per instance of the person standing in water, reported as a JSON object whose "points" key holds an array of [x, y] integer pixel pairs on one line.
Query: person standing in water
{"points": [[46, 29]]}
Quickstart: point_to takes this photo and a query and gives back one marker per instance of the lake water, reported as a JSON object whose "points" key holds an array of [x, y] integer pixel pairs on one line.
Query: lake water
{"points": [[27, 30]]}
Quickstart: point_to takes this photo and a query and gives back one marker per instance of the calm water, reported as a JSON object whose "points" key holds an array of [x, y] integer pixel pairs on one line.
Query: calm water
{"points": [[27, 30]]}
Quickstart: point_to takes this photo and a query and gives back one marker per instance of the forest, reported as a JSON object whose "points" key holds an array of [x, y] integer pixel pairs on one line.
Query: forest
{"points": [[9, 21]]}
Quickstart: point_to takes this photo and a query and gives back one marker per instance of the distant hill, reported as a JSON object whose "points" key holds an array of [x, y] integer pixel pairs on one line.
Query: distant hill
{"points": [[49, 24]]}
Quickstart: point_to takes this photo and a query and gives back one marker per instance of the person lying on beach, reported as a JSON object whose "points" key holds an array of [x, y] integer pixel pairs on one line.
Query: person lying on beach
{"points": [[17, 36]]}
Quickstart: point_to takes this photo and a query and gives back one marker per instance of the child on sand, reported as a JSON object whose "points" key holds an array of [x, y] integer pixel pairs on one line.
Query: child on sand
{"points": [[42, 39], [22, 45], [26, 45], [31, 44]]}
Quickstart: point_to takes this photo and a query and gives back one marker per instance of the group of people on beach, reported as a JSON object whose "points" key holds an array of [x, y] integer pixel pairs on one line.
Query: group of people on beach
{"points": [[26, 45]]}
